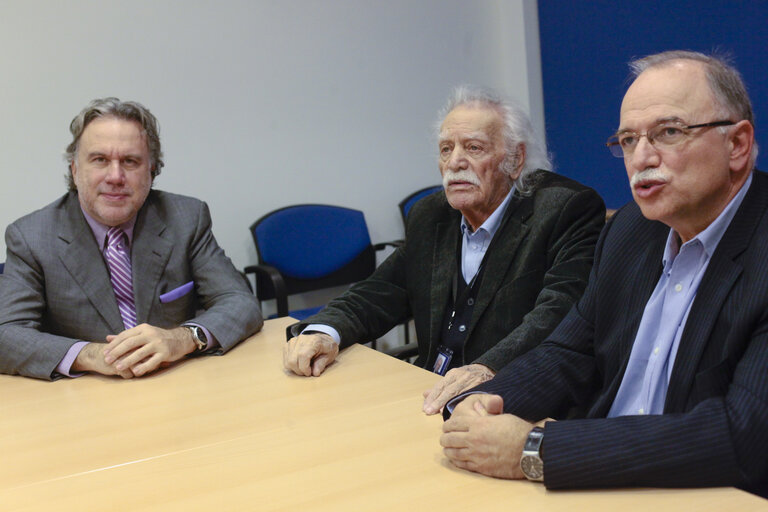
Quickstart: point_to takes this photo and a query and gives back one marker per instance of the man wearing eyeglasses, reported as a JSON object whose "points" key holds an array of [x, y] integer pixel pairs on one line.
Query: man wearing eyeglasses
{"points": [[667, 351]]}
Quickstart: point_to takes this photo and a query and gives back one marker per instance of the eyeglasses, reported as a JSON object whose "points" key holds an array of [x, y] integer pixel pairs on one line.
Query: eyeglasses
{"points": [[664, 135]]}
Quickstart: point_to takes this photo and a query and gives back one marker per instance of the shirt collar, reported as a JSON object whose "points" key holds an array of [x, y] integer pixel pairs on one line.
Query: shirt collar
{"points": [[100, 230], [710, 237], [492, 223]]}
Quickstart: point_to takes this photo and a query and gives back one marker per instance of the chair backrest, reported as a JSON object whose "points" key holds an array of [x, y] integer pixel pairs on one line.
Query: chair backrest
{"points": [[406, 204], [315, 246]]}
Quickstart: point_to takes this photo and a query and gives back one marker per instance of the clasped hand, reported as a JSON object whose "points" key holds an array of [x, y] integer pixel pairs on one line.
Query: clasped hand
{"points": [[479, 437], [136, 351], [309, 354]]}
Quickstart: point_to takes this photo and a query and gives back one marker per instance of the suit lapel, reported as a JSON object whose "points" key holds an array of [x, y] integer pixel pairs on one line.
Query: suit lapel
{"points": [[81, 256], [501, 253], [149, 256], [443, 270], [715, 287]]}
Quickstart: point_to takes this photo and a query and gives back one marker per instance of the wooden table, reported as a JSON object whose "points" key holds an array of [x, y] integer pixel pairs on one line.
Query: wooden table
{"points": [[238, 433]]}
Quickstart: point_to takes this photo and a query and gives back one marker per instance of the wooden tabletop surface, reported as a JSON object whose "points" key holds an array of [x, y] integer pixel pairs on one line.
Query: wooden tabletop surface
{"points": [[238, 433]]}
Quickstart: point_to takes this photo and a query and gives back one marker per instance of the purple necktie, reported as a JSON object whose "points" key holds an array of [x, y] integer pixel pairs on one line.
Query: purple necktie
{"points": [[120, 275]]}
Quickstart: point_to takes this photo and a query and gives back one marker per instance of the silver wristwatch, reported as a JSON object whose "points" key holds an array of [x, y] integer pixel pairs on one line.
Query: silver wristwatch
{"points": [[530, 462], [198, 336]]}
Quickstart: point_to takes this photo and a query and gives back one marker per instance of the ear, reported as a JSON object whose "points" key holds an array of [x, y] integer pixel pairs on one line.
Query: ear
{"points": [[73, 168], [741, 140]]}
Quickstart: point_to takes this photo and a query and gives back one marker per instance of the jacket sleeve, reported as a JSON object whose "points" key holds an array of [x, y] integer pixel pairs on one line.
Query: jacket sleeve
{"points": [[230, 311], [25, 348]]}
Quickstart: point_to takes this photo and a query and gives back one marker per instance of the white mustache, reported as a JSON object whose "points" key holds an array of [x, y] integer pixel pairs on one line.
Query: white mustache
{"points": [[648, 175], [465, 175]]}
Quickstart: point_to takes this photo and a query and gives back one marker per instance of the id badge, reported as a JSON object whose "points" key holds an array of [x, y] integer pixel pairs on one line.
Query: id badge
{"points": [[444, 356]]}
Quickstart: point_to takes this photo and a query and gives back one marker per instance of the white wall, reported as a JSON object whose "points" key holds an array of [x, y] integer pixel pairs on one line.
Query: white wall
{"points": [[261, 103]]}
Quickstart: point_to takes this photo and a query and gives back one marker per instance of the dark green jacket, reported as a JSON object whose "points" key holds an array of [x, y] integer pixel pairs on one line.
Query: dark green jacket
{"points": [[537, 267]]}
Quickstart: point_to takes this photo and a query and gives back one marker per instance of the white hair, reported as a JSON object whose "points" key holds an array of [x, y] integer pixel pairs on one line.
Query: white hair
{"points": [[517, 130]]}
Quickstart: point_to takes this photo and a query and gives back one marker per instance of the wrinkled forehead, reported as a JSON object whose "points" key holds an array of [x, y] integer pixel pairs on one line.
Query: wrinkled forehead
{"points": [[471, 122]]}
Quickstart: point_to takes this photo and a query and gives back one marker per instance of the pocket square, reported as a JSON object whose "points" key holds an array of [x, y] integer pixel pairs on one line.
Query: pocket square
{"points": [[177, 293]]}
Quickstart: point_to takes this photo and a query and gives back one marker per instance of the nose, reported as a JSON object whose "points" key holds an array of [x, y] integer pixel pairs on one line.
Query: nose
{"points": [[457, 161], [645, 155], [115, 172]]}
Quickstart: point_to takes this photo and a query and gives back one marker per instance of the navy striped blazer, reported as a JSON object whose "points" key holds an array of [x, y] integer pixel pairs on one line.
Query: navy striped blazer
{"points": [[714, 430]]}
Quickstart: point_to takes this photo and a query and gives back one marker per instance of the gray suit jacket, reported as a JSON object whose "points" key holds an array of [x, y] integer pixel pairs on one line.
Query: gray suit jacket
{"points": [[55, 289], [536, 268]]}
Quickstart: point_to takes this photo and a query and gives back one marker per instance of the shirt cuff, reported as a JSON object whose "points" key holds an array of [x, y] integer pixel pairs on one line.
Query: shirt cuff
{"points": [[211, 341], [65, 366], [325, 329], [453, 402]]}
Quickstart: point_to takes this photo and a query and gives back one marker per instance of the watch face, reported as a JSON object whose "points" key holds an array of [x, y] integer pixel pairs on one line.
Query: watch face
{"points": [[532, 466]]}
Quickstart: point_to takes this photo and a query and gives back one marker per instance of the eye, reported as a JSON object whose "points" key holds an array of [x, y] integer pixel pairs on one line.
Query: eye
{"points": [[131, 163], [445, 150], [668, 133], [627, 140], [474, 148]]}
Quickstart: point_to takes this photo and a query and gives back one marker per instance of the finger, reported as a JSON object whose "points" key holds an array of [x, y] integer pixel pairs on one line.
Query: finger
{"points": [[320, 363], [115, 339], [133, 358], [466, 407], [121, 344], [304, 362], [148, 365], [454, 440], [459, 424], [494, 404], [126, 374], [480, 409], [468, 465], [448, 392], [287, 354], [290, 356], [457, 454], [429, 406]]}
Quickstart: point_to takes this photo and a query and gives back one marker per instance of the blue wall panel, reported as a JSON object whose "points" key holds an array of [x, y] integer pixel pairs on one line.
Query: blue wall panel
{"points": [[585, 47]]}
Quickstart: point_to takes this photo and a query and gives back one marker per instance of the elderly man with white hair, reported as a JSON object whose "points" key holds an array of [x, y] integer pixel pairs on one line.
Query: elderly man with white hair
{"points": [[490, 266]]}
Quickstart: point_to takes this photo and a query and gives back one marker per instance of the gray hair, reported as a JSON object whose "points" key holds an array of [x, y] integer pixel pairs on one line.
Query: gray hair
{"points": [[724, 80], [125, 110], [517, 130]]}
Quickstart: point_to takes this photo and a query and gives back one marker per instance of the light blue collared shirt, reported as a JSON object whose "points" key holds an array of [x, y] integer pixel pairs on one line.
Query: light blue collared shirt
{"points": [[474, 245], [643, 388]]}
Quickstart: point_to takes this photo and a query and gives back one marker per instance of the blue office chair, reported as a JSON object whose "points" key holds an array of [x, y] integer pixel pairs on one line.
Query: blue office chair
{"points": [[309, 247], [406, 204]]}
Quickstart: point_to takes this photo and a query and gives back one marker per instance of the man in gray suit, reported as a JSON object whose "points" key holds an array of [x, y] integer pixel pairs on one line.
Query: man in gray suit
{"points": [[490, 266], [113, 277]]}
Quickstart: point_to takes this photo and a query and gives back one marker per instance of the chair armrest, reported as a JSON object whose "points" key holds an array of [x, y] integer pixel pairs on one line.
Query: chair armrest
{"points": [[270, 284], [404, 352]]}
